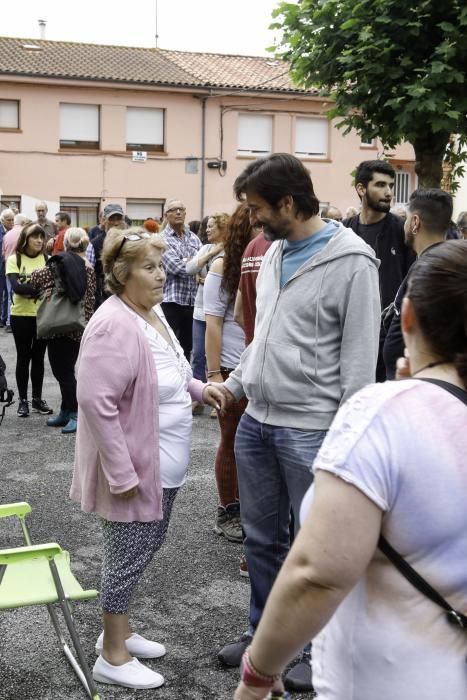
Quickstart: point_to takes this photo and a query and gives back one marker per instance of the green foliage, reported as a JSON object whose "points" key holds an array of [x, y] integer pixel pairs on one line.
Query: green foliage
{"points": [[395, 70]]}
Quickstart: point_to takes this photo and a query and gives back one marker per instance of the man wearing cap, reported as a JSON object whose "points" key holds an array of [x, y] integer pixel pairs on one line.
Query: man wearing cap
{"points": [[180, 287], [113, 217]]}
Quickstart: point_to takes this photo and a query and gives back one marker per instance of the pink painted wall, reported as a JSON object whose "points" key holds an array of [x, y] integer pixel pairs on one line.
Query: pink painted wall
{"points": [[32, 164]]}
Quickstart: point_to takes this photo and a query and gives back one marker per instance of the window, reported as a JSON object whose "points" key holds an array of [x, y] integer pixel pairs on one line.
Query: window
{"points": [[9, 114], [311, 137], [368, 144], [140, 209], [254, 134], [79, 126], [144, 129], [83, 212], [11, 202], [401, 187]]}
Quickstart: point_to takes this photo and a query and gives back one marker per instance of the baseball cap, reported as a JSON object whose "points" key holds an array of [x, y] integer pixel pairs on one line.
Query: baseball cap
{"points": [[112, 209]]}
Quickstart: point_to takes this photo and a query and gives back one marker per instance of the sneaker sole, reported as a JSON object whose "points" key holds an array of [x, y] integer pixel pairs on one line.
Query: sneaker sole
{"points": [[103, 679], [23, 415], [138, 656], [229, 538], [42, 413], [244, 574]]}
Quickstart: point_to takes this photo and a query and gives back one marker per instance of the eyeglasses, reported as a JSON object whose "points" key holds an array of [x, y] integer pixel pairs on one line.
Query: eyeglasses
{"points": [[131, 237], [182, 210]]}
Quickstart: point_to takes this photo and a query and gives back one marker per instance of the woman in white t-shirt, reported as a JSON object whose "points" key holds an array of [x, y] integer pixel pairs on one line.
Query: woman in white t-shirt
{"points": [[393, 463]]}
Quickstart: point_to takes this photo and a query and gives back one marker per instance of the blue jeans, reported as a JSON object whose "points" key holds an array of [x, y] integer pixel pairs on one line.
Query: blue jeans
{"points": [[198, 359], [274, 472]]}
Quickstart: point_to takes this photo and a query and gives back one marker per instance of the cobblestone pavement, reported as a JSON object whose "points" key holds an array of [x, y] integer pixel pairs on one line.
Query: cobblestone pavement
{"points": [[191, 597]]}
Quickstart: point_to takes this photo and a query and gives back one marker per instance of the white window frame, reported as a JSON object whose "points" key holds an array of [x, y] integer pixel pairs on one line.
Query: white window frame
{"points": [[144, 140], [255, 134], [9, 114], [153, 208], [368, 144], [402, 182], [79, 126], [312, 152]]}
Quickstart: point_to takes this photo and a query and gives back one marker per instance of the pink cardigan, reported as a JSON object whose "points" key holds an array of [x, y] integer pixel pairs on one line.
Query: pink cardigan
{"points": [[117, 441]]}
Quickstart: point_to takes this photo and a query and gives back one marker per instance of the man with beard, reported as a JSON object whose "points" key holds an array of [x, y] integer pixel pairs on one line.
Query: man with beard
{"points": [[429, 214], [315, 343], [383, 231]]}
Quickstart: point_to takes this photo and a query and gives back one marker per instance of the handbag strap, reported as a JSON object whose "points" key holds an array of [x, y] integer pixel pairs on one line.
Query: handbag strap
{"points": [[418, 582], [403, 566], [460, 394]]}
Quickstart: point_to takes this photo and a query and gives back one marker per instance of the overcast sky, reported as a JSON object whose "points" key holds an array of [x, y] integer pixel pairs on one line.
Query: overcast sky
{"points": [[220, 26]]}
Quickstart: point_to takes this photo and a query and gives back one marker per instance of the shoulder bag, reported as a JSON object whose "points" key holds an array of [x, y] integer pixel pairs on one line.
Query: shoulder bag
{"points": [[455, 617]]}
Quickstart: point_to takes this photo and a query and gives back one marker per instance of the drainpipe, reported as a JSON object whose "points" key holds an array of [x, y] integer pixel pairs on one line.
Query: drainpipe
{"points": [[203, 153]]}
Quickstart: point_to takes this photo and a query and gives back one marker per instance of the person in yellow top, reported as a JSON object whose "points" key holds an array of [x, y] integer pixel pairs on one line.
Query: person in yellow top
{"points": [[29, 256]]}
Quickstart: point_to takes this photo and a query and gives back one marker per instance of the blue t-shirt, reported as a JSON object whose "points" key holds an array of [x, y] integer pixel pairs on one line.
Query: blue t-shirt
{"points": [[296, 253]]}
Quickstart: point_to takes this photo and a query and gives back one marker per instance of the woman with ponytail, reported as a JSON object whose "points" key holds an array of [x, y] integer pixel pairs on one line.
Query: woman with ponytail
{"points": [[394, 465]]}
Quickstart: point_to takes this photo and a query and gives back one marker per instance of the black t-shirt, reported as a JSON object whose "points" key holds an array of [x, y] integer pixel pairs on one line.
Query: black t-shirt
{"points": [[370, 232]]}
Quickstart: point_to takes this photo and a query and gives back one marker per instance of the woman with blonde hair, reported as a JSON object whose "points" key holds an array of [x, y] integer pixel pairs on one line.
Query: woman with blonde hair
{"points": [[216, 229], [135, 390], [78, 281]]}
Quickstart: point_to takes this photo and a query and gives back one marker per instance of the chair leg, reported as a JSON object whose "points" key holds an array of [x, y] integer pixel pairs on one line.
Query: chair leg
{"points": [[81, 669]]}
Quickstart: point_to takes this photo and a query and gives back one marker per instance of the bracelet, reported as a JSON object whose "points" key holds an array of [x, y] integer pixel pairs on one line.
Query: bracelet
{"points": [[250, 676], [212, 372]]}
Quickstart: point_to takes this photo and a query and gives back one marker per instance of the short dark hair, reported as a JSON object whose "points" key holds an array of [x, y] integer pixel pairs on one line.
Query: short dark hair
{"points": [[434, 207], [438, 291], [276, 176], [365, 170], [64, 216]]}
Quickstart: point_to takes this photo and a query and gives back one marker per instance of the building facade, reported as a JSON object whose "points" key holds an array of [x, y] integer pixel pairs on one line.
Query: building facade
{"points": [[82, 125]]}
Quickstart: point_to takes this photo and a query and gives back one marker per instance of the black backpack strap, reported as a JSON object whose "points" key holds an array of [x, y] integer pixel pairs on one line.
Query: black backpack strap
{"points": [[452, 388]]}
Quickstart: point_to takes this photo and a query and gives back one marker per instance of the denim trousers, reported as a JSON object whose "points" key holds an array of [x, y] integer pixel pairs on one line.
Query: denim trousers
{"points": [[198, 358], [3, 294], [274, 469]]}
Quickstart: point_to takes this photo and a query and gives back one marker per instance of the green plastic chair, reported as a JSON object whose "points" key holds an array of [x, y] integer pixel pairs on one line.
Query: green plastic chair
{"points": [[41, 575]]}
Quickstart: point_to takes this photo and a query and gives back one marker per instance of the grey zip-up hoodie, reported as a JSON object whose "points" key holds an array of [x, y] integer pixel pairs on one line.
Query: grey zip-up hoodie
{"points": [[316, 339]]}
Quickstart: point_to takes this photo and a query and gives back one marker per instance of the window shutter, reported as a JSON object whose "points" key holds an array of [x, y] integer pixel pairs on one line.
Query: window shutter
{"points": [[311, 137]]}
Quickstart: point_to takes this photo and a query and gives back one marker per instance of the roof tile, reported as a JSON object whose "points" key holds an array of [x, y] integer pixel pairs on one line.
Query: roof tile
{"points": [[124, 64]]}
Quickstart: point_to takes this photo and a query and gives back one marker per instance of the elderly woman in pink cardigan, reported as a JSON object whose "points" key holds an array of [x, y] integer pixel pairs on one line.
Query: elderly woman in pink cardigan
{"points": [[135, 390]]}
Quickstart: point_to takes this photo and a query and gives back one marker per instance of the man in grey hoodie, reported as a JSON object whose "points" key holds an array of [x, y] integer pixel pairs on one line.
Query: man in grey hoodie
{"points": [[315, 344]]}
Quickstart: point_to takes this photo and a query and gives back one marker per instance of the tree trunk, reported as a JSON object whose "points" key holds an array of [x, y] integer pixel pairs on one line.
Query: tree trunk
{"points": [[430, 150]]}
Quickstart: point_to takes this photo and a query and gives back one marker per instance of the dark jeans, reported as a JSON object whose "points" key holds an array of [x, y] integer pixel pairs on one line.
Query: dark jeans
{"points": [[274, 472], [63, 353], [3, 294], [199, 353], [29, 352], [180, 319]]}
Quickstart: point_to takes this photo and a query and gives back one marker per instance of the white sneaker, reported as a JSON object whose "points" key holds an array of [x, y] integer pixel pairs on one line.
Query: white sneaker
{"points": [[137, 646], [130, 675]]}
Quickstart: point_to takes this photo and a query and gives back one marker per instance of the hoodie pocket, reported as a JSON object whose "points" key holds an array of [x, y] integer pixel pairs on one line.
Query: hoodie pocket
{"points": [[284, 380]]}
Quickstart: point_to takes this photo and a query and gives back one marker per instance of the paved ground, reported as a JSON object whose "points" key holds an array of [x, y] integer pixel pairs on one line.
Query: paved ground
{"points": [[191, 597]]}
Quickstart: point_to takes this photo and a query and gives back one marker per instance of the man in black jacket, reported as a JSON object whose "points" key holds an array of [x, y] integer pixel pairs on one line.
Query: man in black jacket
{"points": [[428, 217], [383, 231]]}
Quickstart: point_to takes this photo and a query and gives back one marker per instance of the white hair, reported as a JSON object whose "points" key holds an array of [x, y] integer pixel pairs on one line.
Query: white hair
{"points": [[6, 212], [21, 219], [76, 239]]}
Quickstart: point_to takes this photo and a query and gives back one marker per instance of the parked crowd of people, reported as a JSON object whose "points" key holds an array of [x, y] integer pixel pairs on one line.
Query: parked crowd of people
{"points": [[332, 350]]}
